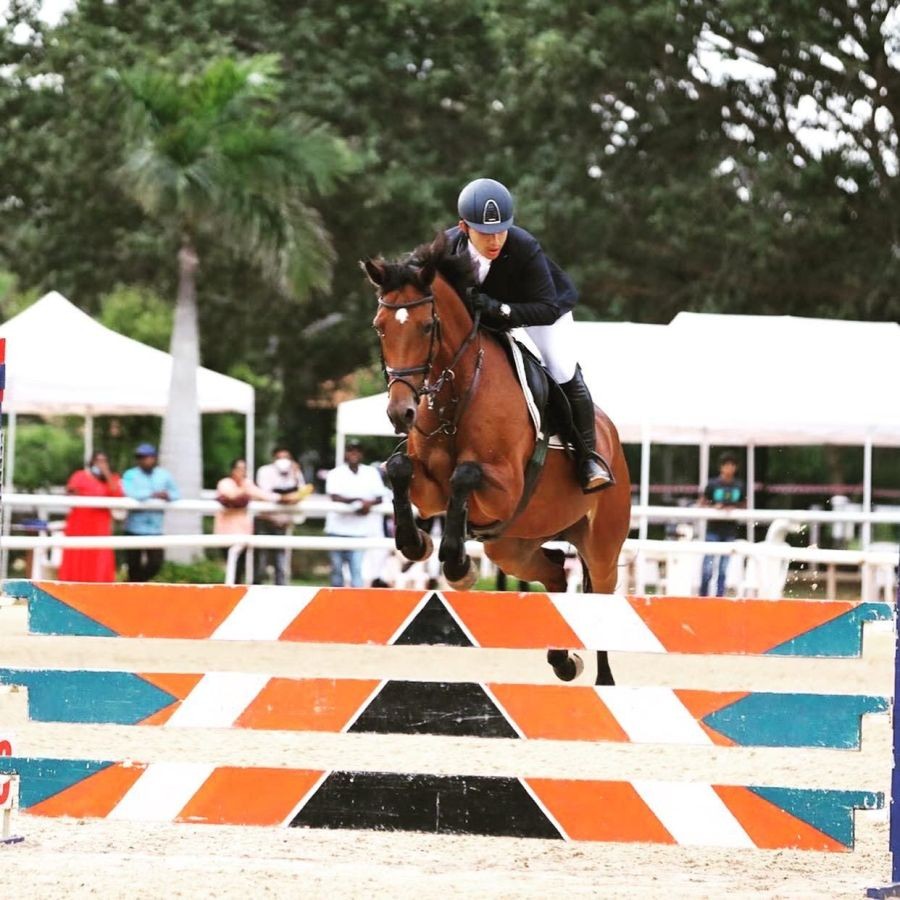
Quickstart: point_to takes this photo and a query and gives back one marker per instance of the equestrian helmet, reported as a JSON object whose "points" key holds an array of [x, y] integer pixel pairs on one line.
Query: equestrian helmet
{"points": [[486, 205]]}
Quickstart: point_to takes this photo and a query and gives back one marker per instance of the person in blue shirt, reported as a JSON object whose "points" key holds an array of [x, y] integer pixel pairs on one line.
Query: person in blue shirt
{"points": [[725, 492], [146, 481]]}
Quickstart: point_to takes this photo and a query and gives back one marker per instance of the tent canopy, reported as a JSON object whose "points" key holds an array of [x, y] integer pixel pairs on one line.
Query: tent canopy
{"points": [[722, 379], [61, 361]]}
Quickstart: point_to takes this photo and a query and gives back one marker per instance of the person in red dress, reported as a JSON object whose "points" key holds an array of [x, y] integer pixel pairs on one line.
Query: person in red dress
{"points": [[97, 480]]}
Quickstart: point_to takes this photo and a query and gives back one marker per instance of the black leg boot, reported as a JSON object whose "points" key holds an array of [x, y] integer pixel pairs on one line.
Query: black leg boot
{"points": [[592, 471]]}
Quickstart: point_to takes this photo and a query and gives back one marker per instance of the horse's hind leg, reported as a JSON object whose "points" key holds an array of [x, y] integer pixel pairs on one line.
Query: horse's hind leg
{"points": [[528, 560], [411, 541], [459, 570], [604, 672], [599, 563]]}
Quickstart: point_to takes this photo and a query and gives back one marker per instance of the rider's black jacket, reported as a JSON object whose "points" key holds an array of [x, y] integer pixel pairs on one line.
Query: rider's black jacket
{"points": [[537, 290]]}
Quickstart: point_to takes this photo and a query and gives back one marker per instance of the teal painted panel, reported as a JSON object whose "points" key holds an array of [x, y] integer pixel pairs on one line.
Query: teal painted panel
{"points": [[118, 698], [19, 588], [43, 778], [47, 615], [841, 637], [829, 811], [796, 720]]}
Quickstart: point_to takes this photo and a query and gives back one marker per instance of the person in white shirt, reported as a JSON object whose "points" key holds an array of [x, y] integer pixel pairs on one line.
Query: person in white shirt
{"points": [[282, 476], [360, 487]]}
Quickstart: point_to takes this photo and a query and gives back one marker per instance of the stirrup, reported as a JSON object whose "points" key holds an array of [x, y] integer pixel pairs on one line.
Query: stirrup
{"points": [[595, 475]]}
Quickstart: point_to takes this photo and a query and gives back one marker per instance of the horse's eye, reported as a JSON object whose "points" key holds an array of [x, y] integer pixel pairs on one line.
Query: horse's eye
{"points": [[428, 327], [378, 331]]}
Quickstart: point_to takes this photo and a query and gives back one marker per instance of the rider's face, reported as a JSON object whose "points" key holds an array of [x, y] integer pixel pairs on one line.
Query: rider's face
{"points": [[488, 245]]}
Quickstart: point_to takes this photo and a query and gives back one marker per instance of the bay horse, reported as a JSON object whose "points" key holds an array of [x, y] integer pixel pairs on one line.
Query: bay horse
{"points": [[452, 389]]}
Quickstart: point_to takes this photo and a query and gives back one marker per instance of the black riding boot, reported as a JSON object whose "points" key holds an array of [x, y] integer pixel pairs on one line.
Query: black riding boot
{"points": [[592, 471]]}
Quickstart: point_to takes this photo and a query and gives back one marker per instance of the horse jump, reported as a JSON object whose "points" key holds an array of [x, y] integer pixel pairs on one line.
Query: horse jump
{"points": [[465, 801]]}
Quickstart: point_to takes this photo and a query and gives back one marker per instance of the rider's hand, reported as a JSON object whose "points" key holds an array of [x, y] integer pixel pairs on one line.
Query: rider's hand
{"points": [[488, 306]]}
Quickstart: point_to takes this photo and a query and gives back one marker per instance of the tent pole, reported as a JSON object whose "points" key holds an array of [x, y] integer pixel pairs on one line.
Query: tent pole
{"points": [[644, 522], [866, 532], [703, 475], [340, 442], [10, 451], [703, 480], [751, 486], [867, 491], [9, 463], [88, 436]]}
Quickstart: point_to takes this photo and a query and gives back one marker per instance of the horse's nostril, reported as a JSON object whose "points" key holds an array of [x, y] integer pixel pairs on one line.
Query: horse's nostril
{"points": [[409, 415]]}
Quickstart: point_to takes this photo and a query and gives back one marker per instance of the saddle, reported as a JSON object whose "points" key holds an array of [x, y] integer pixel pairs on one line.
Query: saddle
{"points": [[547, 405]]}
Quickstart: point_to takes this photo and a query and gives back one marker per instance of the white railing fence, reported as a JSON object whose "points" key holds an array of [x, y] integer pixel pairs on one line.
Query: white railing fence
{"points": [[670, 565]]}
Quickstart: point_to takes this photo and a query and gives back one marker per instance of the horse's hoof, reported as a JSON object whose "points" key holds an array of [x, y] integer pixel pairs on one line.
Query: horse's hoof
{"points": [[566, 666], [466, 581], [424, 553]]}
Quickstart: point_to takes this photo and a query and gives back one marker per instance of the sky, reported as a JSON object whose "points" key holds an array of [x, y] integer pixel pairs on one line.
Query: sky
{"points": [[51, 10]]}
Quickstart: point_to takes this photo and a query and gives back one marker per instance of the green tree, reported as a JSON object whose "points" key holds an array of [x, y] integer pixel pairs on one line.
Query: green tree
{"points": [[209, 159], [641, 154], [138, 313]]}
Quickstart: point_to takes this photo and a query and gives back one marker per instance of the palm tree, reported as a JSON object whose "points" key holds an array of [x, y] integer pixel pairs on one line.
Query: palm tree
{"points": [[207, 156]]}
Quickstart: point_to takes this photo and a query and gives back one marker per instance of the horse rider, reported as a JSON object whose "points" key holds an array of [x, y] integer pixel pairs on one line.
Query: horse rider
{"points": [[519, 286]]}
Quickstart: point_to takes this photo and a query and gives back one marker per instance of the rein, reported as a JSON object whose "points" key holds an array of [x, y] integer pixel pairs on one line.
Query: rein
{"points": [[430, 390]]}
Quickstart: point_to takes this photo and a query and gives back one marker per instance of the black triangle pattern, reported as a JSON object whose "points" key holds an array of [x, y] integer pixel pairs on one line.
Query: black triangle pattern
{"points": [[424, 707], [436, 804], [434, 624]]}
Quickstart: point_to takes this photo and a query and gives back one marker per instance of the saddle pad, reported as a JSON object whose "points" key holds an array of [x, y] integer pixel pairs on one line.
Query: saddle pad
{"points": [[515, 348], [519, 367]]}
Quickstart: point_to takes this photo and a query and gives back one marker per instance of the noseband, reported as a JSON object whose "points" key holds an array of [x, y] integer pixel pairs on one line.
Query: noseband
{"points": [[401, 375]]}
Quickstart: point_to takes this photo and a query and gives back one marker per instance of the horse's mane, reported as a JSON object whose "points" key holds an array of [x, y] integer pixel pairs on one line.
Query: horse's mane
{"points": [[455, 268]]}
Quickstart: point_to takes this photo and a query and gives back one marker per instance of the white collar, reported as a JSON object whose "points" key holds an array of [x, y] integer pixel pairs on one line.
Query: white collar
{"points": [[482, 263]]}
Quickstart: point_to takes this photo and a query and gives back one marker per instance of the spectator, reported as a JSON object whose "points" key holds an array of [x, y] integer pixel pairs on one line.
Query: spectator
{"points": [[96, 480], [360, 487], [283, 477], [724, 492], [234, 492], [146, 481]]}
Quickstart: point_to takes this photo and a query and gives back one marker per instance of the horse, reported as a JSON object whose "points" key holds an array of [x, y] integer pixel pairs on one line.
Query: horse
{"points": [[453, 391]]}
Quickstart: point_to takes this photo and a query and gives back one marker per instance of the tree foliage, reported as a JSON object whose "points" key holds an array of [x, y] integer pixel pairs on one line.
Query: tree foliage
{"points": [[729, 156]]}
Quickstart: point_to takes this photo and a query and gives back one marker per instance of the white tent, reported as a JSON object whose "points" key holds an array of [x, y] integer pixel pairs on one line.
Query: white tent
{"points": [[777, 380], [723, 379], [719, 379], [61, 361]]}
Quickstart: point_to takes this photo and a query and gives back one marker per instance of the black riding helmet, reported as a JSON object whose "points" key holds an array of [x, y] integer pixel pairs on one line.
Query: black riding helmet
{"points": [[486, 205]]}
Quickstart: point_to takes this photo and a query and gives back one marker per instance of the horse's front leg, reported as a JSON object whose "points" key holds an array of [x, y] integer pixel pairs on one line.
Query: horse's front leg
{"points": [[410, 540], [458, 568]]}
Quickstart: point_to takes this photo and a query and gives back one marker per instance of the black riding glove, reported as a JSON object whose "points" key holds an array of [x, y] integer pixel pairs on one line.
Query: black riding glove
{"points": [[487, 306], [489, 309]]}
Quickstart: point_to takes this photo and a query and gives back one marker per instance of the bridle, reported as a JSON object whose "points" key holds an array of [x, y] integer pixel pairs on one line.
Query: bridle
{"points": [[432, 389]]}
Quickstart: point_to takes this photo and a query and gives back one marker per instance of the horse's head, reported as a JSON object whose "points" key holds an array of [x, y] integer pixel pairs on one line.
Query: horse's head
{"points": [[407, 322]]}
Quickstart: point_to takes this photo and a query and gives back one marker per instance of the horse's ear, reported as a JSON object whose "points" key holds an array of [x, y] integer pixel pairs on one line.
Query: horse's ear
{"points": [[374, 269], [427, 273]]}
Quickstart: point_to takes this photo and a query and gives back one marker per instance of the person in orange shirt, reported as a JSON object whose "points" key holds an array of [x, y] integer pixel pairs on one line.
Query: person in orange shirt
{"points": [[96, 480]]}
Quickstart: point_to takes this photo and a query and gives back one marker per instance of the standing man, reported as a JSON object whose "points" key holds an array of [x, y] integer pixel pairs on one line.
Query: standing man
{"points": [[360, 487], [146, 481], [283, 477], [724, 492]]}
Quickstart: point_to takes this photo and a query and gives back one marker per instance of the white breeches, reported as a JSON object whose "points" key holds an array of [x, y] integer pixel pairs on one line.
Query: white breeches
{"points": [[556, 344]]}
